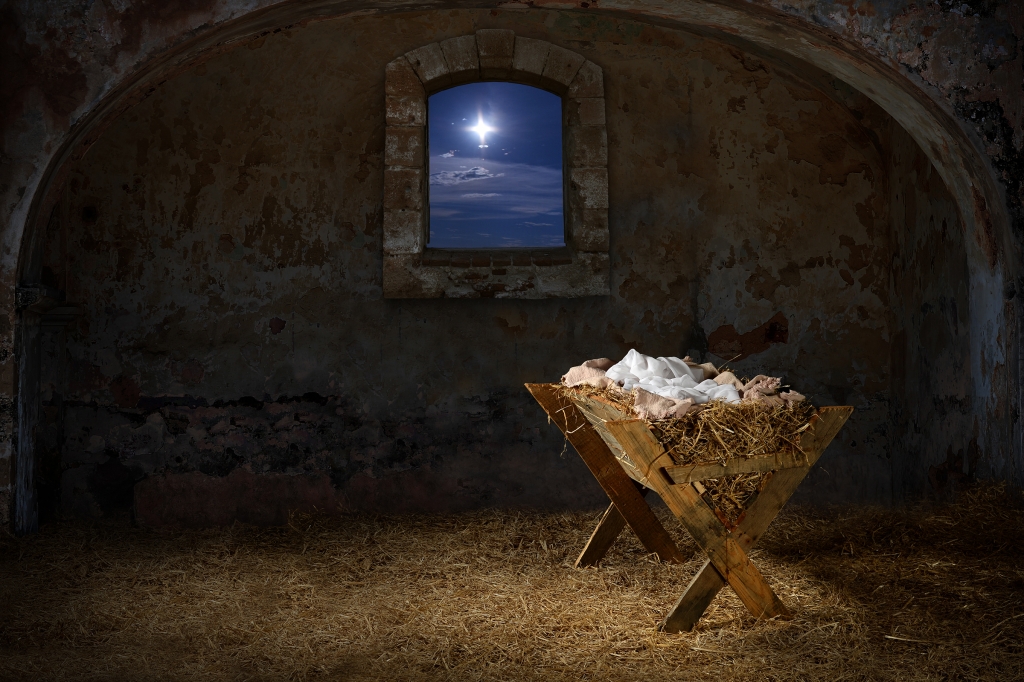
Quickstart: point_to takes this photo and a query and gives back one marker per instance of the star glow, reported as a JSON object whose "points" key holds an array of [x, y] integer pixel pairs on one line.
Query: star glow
{"points": [[481, 129]]}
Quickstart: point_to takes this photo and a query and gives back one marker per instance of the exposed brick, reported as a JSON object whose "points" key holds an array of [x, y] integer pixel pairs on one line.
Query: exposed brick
{"points": [[501, 259], [430, 66], [461, 260], [495, 47], [405, 111], [403, 189], [530, 56], [522, 258], [561, 258], [598, 263], [589, 229], [497, 272], [461, 57], [403, 278], [543, 258], [401, 80], [437, 258], [587, 146], [403, 146], [588, 187], [403, 232], [562, 65], [589, 81], [480, 260], [587, 111]]}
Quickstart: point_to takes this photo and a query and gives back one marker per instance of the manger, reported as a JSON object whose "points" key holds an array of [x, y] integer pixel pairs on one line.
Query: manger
{"points": [[724, 489]]}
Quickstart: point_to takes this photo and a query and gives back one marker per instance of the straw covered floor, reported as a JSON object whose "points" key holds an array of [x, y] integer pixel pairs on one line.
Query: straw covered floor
{"points": [[926, 594]]}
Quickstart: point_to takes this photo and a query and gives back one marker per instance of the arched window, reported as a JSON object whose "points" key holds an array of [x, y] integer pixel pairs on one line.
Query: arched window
{"points": [[462, 219], [495, 167]]}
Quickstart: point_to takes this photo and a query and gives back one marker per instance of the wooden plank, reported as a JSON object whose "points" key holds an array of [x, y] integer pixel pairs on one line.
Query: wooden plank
{"points": [[707, 583], [688, 473], [608, 472], [598, 413], [724, 551], [607, 530]]}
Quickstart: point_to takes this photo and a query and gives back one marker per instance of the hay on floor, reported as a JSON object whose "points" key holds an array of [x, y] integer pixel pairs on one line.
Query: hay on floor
{"points": [[925, 594]]}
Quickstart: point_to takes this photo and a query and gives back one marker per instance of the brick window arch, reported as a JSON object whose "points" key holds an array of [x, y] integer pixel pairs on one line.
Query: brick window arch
{"points": [[581, 268]]}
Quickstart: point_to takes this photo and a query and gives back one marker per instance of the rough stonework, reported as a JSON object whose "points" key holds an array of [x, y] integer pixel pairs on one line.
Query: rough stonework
{"points": [[827, 190], [411, 270]]}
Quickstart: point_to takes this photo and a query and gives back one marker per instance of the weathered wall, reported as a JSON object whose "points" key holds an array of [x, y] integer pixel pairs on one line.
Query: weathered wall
{"points": [[934, 439], [65, 60], [223, 241]]}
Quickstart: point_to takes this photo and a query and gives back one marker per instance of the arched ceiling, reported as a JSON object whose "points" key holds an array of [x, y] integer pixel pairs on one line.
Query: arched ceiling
{"points": [[175, 35]]}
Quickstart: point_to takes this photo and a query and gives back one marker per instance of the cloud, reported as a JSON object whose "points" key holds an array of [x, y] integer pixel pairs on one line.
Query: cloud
{"points": [[449, 178], [507, 196], [450, 154]]}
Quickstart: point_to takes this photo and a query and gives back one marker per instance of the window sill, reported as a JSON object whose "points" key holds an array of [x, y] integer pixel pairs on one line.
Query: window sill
{"points": [[497, 273]]}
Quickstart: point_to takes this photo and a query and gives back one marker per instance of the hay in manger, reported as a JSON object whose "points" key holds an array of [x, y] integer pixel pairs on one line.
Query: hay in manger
{"points": [[715, 432]]}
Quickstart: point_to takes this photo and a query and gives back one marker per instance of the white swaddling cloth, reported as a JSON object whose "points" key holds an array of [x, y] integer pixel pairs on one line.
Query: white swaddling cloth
{"points": [[669, 378]]}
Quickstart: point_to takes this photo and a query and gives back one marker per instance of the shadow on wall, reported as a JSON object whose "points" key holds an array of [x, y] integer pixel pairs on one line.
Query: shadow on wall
{"points": [[223, 239]]}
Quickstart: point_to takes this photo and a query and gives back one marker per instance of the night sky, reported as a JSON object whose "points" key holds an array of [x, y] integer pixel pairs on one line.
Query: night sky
{"points": [[508, 193]]}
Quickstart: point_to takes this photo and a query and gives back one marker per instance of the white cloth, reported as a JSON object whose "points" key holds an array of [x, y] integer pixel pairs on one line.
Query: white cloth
{"points": [[669, 378]]}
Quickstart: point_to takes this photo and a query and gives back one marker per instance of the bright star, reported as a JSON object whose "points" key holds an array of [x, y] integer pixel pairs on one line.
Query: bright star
{"points": [[481, 129]]}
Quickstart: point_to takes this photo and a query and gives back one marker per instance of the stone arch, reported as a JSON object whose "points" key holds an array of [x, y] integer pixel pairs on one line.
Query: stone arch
{"points": [[581, 269]]}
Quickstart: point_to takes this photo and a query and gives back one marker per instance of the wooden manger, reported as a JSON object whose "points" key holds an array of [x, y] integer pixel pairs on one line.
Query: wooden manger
{"points": [[628, 461]]}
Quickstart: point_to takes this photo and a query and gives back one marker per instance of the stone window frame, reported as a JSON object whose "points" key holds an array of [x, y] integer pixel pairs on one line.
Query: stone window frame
{"points": [[581, 268]]}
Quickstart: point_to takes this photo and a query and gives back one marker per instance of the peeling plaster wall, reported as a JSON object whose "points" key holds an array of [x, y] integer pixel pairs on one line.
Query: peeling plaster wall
{"points": [[62, 57], [223, 239], [935, 441]]}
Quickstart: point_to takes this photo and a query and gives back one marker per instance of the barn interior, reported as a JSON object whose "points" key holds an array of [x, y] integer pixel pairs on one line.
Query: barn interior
{"points": [[237, 423]]}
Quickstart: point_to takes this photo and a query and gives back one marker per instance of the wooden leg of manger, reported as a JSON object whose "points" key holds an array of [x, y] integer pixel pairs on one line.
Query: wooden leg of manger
{"points": [[722, 547], [609, 474], [707, 583], [608, 529]]}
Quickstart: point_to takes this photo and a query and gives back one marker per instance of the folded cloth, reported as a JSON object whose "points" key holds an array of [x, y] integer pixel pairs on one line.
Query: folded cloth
{"points": [[590, 373], [588, 376], [653, 407], [664, 388], [670, 378]]}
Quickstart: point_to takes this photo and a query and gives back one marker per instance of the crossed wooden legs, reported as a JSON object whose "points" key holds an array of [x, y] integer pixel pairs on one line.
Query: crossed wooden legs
{"points": [[628, 504], [760, 513], [727, 549]]}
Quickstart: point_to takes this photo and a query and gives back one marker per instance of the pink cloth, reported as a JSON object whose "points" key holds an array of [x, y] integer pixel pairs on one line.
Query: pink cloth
{"points": [[651, 406], [590, 373]]}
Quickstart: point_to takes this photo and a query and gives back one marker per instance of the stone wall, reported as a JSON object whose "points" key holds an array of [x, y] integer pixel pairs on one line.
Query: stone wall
{"points": [[754, 207], [224, 243]]}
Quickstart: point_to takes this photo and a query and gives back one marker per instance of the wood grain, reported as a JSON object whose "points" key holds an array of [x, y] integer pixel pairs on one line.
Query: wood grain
{"points": [[723, 549], [707, 583], [688, 473], [604, 535], [609, 473]]}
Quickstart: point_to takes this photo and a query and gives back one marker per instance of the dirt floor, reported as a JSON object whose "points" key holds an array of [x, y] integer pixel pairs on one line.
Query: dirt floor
{"points": [[934, 593]]}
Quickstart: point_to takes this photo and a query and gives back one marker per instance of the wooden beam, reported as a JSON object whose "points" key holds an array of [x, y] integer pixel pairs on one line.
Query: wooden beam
{"points": [[607, 530], [723, 548], [688, 473], [608, 472], [707, 583]]}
